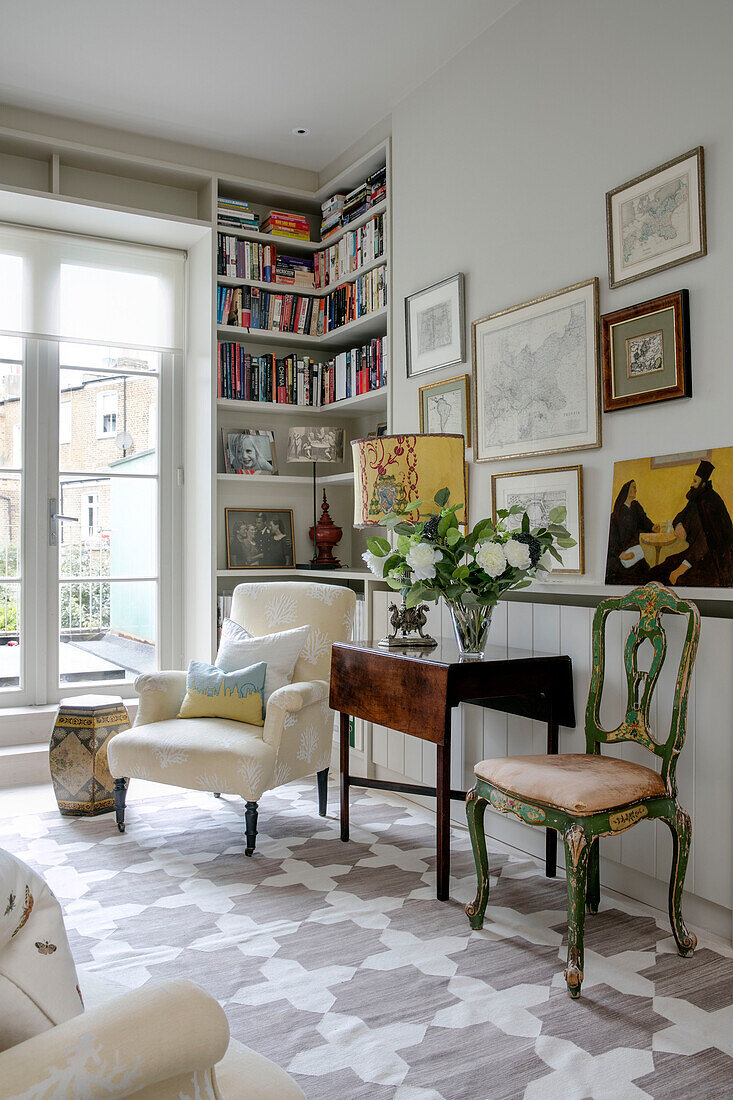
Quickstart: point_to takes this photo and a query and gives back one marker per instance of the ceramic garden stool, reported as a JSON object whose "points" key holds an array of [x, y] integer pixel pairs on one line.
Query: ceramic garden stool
{"points": [[78, 753]]}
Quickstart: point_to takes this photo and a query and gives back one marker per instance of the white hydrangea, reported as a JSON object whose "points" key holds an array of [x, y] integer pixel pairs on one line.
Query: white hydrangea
{"points": [[421, 559], [517, 554], [374, 562], [490, 556], [546, 562]]}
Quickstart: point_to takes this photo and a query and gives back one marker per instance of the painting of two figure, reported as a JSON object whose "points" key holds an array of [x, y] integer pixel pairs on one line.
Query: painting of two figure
{"points": [[671, 520]]}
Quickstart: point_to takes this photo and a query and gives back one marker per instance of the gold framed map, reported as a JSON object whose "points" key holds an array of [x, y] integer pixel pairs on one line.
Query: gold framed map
{"points": [[657, 220]]}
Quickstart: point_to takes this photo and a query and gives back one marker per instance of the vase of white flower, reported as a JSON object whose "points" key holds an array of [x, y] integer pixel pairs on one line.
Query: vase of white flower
{"points": [[434, 558]]}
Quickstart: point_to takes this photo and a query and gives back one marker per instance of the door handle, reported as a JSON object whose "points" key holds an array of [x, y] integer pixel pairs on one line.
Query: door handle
{"points": [[53, 521]]}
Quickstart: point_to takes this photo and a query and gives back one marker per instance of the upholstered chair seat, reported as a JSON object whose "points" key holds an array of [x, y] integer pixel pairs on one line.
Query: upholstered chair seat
{"points": [[578, 782]]}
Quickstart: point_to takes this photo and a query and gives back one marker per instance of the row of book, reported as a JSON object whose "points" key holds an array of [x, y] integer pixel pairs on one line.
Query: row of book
{"points": [[355, 249], [261, 262], [253, 308], [341, 209], [298, 380], [237, 213]]}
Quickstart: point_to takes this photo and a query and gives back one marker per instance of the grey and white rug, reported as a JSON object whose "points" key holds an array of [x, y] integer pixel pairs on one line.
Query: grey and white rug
{"points": [[337, 962]]}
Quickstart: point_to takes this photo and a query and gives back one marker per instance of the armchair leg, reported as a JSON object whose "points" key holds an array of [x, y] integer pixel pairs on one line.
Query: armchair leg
{"points": [[593, 889], [120, 797], [577, 848], [217, 794], [250, 825], [475, 809], [322, 777], [681, 828]]}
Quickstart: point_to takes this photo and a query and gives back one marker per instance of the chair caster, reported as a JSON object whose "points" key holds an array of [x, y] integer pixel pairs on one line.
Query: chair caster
{"points": [[248, 851], [217, 794], [121, 826]]}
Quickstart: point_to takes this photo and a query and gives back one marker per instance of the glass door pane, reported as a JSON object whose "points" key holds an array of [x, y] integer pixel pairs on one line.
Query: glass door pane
{"points": [[11, 462]]}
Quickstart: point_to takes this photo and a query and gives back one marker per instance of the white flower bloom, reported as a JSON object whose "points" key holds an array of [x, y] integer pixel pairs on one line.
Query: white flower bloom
{"points": [[546, 562], [517, 554], [374, 562], [421, 559], [490, 556]]}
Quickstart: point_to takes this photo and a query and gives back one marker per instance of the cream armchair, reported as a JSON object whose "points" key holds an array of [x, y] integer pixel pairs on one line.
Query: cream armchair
{"points": [[218, 755], [167, 1041]]}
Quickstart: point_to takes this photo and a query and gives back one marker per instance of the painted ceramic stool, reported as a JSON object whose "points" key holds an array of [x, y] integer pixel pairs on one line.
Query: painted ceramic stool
{"points": [[78, 753]]}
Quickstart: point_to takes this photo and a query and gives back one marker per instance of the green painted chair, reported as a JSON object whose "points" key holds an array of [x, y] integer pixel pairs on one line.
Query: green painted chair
{"points": [[585, 796]]}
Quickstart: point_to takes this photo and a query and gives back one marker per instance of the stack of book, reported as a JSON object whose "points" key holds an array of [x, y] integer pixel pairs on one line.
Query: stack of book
{"points": [[377, 185], [356, 203], [284, 224], [237, 213], [331, 215], [295, 271], [356, 248], [298, 380]]}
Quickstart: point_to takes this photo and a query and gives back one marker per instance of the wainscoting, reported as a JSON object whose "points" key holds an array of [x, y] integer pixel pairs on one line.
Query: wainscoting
{"points": [[637, 862]]}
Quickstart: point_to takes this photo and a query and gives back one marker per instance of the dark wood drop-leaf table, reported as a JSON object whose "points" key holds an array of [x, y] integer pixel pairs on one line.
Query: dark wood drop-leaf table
{"points": [[415, 690]]}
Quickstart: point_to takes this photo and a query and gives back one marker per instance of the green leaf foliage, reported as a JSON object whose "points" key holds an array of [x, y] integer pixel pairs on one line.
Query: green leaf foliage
{"points": [[557, 515], [378, 546]]}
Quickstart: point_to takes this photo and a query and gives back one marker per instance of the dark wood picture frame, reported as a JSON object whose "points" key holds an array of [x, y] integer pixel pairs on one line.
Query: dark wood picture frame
{"points": [[679, 303], [271, 565]]}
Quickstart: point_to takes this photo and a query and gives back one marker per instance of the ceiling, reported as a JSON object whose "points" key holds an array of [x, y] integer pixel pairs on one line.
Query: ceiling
{"points": [[232, 74]]}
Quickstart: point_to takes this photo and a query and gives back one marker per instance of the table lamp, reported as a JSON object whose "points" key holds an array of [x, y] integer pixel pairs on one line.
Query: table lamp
{"points": [[392, 471], [324, 445]]}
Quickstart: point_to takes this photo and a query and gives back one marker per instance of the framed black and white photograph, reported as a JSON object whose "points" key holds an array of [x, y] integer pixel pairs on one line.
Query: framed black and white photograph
{"points": [[536, 376], [537, 492], [446, 407], [657, 220], [317, 444], [435, 327], [248, 452], [259, 538]]}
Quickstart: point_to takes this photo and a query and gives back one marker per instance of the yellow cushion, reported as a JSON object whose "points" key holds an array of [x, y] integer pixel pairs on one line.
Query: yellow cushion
{"points": [[577, 782], [211, 693]]}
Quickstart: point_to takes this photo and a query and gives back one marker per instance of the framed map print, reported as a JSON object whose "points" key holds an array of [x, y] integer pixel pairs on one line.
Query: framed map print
{"points": [[657, 220], [646, 352], [445, 407], [434, 326], [537, 492], [536, 387]]}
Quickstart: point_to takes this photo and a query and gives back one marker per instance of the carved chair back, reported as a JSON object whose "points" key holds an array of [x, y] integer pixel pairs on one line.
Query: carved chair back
{"points": [[651, 601]]}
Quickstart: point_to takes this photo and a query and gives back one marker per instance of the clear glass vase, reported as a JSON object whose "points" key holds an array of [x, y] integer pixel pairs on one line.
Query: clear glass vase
{"points": [[471, 628]]}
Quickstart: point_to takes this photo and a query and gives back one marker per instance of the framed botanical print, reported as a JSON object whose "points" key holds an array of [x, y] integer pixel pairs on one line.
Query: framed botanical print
{"points": [[536, 386], [537, 492], [657, 220], [646, 352], [259, 538], [434, 326], [446, 407]]}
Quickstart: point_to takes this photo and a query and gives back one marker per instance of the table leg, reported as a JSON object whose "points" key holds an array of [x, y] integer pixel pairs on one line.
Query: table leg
{"points": [[551, 834], [344, 769], [443, 816]]}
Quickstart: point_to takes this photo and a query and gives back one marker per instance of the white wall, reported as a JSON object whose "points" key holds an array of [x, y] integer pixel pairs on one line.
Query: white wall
{"points": [[500, 165]]}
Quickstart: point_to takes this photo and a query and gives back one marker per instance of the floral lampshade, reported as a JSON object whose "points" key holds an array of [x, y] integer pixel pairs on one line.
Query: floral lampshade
{"points": [[393, 470]]}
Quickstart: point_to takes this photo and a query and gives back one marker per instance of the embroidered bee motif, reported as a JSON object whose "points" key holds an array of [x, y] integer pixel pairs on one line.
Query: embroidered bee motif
{"points": [[45, 948], [10, 906], [27, 910]]}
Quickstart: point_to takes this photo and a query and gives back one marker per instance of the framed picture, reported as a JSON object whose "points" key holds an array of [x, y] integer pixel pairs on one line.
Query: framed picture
{"points": [[259, 539], [657, 220], [446, 407], [535, 366], [671, 520], [646, 352], [538, 492], [248, 452], [316, 444], [434, 326]]}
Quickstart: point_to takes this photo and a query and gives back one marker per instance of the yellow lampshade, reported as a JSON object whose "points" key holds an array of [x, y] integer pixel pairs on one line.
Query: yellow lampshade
{"points": [[392, 471]]}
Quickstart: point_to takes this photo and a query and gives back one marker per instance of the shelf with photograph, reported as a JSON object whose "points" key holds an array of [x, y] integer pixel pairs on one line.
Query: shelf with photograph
{"points": [[287, 479]]}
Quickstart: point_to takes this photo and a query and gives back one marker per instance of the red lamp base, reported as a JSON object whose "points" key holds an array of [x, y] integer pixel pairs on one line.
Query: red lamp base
{"points": [[328, 534]]}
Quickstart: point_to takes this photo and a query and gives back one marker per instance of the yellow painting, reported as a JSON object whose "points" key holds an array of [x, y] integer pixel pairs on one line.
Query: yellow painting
{"points": [[671, 520]]}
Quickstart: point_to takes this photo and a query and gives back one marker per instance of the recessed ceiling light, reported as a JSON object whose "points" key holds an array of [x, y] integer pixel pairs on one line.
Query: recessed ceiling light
{"points": [[301, 131]]}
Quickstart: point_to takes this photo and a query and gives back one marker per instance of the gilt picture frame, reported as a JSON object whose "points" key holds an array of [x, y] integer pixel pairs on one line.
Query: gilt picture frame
{"points": [[645, 350], [259, 538], [446, 407], [657, 220], [538, 492], [435, 330]]}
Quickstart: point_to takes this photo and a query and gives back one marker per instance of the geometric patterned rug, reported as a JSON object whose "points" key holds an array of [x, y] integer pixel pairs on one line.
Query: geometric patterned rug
{"points": [[336, 960]]}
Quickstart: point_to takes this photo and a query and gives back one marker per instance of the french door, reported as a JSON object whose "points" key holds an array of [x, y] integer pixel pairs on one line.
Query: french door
{"points": [[89, 504]]}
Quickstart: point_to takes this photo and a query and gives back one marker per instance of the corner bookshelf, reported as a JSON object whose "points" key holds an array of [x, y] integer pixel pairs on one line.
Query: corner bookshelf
{"points": [[292, 487]]}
